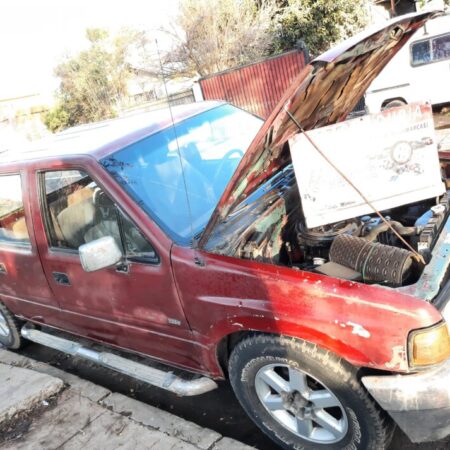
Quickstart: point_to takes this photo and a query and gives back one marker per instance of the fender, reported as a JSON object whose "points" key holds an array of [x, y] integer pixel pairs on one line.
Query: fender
{"points": [[367, 325]]}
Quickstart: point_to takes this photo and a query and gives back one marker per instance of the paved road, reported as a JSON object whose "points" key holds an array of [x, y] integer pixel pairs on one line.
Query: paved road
{"points": [[45, 407], [218, 410]]}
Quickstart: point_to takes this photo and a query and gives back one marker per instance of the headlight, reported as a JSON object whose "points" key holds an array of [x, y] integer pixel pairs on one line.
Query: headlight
{"points": [[429, 346]]}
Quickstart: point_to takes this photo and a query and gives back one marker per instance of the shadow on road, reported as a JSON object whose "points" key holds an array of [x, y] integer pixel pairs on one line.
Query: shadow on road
{"points": [[218, 410]]}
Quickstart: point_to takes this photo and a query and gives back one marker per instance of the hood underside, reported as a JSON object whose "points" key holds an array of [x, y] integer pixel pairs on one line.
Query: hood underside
{"points": [[324, 93]]}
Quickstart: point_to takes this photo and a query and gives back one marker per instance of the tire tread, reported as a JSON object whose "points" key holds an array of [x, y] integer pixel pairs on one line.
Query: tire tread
{"points": [[384, 426]]}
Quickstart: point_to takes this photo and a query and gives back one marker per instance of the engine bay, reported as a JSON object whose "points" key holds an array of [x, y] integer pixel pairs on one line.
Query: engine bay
{"points": [[367, 249], [269, 227]]}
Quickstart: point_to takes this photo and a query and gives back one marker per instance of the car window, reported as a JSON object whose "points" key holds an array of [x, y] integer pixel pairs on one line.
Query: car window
{"points": [[441, 47], [421, 53], [77, 211], [178, 174], [430, 50], [13, 227]]}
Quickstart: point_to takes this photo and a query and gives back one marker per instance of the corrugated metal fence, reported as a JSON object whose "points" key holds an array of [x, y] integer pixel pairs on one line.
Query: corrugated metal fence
{"points": [[255, 87]]}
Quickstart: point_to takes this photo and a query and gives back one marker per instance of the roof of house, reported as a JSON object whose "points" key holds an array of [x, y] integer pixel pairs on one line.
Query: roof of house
{"points": [[103, 138]]}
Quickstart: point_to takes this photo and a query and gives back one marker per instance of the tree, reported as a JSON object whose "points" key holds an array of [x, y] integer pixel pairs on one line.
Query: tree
{"points": [[214, 35], [93, 82], [318, 23], [423, 3]]}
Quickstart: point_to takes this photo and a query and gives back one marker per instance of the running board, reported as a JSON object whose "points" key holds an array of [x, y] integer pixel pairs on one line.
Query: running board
{"points": [[155, 377]]}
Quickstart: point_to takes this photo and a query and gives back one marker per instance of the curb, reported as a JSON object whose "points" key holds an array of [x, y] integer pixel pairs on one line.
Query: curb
{"points": [[22, 390], [108, 410]]}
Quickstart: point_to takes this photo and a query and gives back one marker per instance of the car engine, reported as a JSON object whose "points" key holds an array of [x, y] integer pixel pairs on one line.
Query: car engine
{"points": [[269, 227], [365, 248]]}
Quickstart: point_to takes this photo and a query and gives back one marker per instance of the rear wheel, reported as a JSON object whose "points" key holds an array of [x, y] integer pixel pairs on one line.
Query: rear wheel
{"points": [[393, 104], [304, 397], [9, 329]]}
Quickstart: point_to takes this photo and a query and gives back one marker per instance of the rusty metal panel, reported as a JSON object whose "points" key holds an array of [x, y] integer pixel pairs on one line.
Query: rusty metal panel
{"points": [[255, 87]]}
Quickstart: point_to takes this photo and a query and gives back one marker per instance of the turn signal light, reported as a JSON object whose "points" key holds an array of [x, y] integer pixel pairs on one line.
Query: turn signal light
{"points": [[429, 346]]}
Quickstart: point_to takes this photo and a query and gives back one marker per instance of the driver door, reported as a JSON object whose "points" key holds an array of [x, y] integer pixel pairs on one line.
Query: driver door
{"points": [[133, 305]]}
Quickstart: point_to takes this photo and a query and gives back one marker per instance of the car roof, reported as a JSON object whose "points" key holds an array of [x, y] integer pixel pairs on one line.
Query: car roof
{"points": [[100, 139]]}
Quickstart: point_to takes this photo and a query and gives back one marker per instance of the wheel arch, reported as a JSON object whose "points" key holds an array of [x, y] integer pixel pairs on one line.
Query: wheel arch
{"points": [[393, 99], [225, 346], [228, 342]]}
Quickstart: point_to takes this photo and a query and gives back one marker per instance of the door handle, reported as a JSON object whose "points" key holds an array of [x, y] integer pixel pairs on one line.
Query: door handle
{"points": [[3, 270], [61, 278]]}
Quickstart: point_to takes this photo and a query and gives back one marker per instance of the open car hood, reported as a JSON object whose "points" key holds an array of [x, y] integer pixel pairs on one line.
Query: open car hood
{"points": [[324, 93]]}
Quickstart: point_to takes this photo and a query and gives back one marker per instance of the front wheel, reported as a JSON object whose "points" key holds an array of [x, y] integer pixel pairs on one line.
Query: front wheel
{"points": [[303, 397]]}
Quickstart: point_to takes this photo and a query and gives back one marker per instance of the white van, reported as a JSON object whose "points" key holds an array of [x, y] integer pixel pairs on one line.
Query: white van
{"points": [[419, 72]]}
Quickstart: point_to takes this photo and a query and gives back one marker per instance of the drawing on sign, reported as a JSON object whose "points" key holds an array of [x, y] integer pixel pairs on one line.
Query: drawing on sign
{"points": [[391, 157]]}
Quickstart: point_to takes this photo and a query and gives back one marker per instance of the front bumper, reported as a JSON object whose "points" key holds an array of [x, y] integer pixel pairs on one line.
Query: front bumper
{"points": [[418, 403]]}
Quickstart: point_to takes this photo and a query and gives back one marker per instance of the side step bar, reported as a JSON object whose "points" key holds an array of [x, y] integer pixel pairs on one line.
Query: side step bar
{"points": [[155, 377]]}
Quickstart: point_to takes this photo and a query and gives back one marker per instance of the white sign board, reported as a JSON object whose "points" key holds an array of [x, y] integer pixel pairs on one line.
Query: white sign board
{"points": [[391, 157]]}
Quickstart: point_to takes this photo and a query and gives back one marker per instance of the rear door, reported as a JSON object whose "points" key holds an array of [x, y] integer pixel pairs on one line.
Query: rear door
{"points": [[134, 305], [23, 284]]}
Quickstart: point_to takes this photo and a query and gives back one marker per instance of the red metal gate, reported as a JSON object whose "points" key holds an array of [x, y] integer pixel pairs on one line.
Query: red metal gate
{"points": [[255, 87]]}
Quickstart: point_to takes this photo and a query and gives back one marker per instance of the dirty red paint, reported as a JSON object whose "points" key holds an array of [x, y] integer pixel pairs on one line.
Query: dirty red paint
{"points": [[225, 296]]}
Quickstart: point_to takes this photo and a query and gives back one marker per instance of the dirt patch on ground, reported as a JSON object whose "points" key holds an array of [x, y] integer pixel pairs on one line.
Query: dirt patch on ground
{"points": [[16, 427]]}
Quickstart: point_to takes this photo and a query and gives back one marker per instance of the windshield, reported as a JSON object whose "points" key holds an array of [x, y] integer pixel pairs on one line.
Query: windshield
{"points": [[211, 145]]}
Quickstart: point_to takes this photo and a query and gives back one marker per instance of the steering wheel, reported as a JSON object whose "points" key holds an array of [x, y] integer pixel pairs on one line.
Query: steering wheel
{"points": [[225, 160]]}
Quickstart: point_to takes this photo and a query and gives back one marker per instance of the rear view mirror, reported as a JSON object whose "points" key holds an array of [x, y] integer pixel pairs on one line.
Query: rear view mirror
{"points": [[100, 254]]}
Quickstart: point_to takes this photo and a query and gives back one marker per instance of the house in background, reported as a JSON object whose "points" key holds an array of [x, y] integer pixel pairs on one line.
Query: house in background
{"points": [[385, 9], [397, 7], [147, 91], [20, 119]]}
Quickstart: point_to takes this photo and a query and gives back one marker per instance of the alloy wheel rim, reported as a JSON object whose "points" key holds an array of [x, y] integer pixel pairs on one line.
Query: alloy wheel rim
{"points": [[301, 404], [4, 327]]}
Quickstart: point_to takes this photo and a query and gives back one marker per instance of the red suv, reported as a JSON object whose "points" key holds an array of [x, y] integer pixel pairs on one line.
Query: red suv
{"points": [[167, 238]]}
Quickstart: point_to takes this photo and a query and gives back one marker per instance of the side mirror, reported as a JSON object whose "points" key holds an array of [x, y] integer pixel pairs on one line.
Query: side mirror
{"points": [[100, 254]]}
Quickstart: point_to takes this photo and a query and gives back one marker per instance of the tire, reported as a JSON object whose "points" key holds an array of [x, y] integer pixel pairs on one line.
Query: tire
{"points": [[9, 329], [393, 104], [357, 422]]}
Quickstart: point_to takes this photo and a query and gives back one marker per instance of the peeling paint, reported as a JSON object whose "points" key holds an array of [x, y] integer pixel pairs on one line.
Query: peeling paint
{"points": [[359, 330], [356, 328], [398, 360]]}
